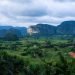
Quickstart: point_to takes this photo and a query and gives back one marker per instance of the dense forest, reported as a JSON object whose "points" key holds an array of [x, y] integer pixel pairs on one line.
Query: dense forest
{"points": [[30, 56]]}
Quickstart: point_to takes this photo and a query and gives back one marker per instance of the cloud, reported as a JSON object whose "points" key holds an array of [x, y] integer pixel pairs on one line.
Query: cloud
{"points": [[28, 12], [65, 0]]}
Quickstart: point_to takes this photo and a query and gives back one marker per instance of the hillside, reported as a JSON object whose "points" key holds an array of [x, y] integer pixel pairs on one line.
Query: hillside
{"points": [[65, 28], [20, 31], [44, 30]]}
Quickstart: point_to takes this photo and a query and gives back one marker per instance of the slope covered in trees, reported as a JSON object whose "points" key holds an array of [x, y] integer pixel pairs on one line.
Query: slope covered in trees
{"points": [[46, 30], [37, 57]]}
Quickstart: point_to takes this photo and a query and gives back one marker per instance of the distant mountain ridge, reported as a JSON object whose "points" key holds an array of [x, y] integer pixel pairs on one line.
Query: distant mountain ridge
{"points": [[43, 30], [65, 28], [40, 30], [20, 31]]}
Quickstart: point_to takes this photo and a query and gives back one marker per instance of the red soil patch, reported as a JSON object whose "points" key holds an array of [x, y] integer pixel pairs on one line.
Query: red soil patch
{"points": [[72, 54]]}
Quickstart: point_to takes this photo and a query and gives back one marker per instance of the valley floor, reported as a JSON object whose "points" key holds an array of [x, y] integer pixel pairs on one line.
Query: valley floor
{"points": [[37, 57]]}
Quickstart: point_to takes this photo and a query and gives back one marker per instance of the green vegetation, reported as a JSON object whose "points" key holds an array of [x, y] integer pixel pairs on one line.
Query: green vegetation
{"points": [[37, 57]]}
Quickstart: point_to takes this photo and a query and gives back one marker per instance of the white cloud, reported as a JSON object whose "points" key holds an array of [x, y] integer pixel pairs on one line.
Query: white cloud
{"points": [[28, 12]]}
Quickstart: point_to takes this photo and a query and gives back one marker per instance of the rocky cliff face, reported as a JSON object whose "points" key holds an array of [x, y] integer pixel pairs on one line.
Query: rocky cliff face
{"points": [[42, 30]]}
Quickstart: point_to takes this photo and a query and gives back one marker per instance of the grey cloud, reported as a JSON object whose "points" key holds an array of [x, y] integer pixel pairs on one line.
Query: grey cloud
{"points": [[19, 9], [39, 11], [34, 12], [21, 1], [65, 0]]}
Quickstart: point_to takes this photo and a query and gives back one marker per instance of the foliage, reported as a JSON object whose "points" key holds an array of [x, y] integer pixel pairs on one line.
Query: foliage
{"points": [[36, 57]]}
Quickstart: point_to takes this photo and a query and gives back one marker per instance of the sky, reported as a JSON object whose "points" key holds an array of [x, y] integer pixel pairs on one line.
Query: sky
{"points": [[31, 12]]}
